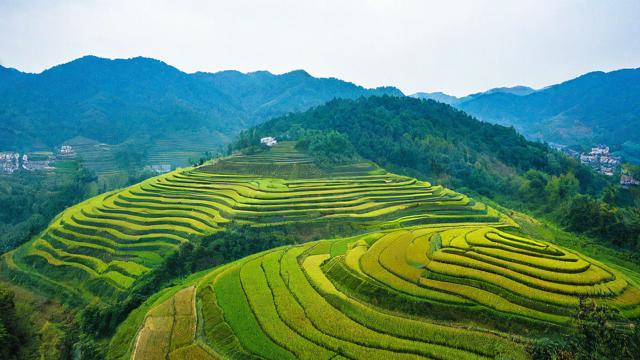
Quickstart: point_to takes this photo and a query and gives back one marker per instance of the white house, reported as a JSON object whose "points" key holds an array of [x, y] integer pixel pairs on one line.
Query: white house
{"points": [[269, 141]]}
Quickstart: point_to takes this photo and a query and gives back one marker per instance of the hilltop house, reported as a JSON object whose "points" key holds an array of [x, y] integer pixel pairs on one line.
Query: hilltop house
{"points": [[269, 141]]}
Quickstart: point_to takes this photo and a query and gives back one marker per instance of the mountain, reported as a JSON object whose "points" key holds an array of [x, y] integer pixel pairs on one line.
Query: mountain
{"points": [[515, 90], [112, 101], [437, 96], [597, 107], [454, 100]]}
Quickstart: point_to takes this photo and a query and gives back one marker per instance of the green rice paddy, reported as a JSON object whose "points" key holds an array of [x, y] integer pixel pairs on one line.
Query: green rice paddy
{"points": [[100, 247], [431, 274]]}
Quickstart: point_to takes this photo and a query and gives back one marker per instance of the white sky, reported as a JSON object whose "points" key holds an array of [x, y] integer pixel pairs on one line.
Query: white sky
{"points": [[458, 47]]}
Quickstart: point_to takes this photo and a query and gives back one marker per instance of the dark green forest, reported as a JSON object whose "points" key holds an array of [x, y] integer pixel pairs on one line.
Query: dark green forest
{"points": [[31, 199]]}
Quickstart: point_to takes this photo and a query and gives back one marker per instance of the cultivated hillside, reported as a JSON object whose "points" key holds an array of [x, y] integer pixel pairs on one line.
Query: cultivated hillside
{"points": [[430, 140], [377, 265], [433, 274], [99, 248]]}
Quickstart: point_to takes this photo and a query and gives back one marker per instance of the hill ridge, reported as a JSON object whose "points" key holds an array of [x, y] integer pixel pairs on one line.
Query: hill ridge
{"points": [[118, 100]]}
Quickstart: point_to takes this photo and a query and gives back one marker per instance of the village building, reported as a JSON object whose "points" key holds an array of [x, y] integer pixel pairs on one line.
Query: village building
{"points": [[269, 141], [600, 160], [67, 150], [9, 162], [628, 181], [41, 164]]}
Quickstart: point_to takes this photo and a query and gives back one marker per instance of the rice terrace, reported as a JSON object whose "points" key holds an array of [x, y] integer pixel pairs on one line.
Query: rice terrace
{"points": [[331, 180], [425, 273]]}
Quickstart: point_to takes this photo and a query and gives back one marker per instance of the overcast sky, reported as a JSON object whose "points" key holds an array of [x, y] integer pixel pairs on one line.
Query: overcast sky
{"points": [[458, 47]]}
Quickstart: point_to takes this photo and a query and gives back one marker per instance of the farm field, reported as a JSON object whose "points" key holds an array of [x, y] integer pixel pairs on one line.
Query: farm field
{"points": [[96, 156], [178, 147], [416, 292], [425, 273], [99, 248], [439, 276]]}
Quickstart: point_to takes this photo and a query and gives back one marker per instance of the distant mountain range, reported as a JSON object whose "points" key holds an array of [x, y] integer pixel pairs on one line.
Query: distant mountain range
{"points": [[597, 107], [437, 96], [113, 101], [454, 100], [176, 115]]}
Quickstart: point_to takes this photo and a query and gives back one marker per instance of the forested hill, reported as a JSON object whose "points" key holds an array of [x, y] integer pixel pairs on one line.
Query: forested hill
{"points": [[434, 141], [114, 100], [597, 107], [429, 140]]}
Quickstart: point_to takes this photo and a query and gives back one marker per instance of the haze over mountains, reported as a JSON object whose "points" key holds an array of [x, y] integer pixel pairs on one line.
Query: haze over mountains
{"points": [[597, 107]]}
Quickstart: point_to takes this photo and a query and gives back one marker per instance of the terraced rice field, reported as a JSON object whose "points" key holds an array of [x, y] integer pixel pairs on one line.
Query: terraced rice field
{"points": [[97, 157], [101, 246], [376, 296], [442, 279], [285, 162], [177, 148], [432, 273]]}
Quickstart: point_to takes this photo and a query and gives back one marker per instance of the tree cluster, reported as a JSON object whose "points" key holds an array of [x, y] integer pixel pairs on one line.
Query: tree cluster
{"points": [[31, 199], [600, 334], [435, 142], [11, 334], [327, 147]]}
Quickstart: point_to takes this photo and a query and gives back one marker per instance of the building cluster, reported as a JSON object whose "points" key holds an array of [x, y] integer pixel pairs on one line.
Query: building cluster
{"points": [[269, 141], [601, 160], [40, 164], [67, 151], [9, 162]]}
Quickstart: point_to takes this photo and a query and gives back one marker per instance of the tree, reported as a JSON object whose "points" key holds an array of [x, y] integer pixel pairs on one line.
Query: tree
{"points": [[561, 188], [600, 334], [328, 147], [10, 338]]}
